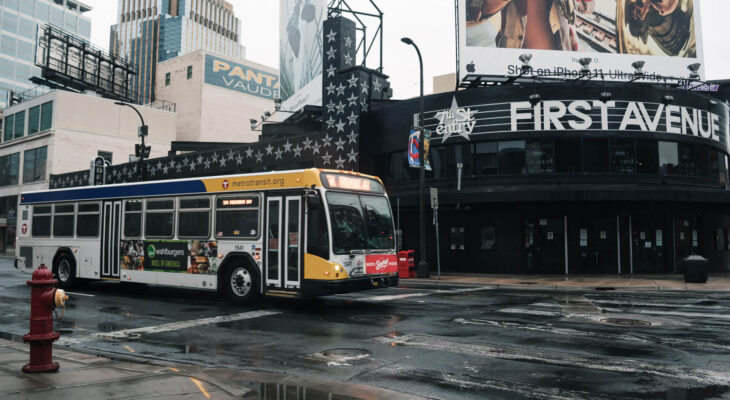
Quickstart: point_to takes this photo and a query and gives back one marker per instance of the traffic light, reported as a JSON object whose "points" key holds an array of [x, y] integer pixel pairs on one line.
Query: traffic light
{"points": [[141, 151]]}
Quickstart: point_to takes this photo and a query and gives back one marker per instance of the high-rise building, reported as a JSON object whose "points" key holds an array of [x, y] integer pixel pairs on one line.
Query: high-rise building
{"points": [[151, 31], [19, 21]]}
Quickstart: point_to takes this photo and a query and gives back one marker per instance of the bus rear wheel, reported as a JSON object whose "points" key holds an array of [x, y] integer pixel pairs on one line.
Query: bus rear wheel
{"points": [[65, 271], [240, 283]]}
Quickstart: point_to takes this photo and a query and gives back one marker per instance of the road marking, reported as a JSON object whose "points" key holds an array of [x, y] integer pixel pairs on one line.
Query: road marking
{"points": [[530, 312], [174, 326], [131, 350], [407, 295], [608, 364], [81, 294], [173, 369], [200, 386], [675, 313], [633, 339]]}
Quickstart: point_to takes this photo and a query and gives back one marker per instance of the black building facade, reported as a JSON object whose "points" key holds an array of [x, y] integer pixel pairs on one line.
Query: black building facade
{"points": [[589, 178]]}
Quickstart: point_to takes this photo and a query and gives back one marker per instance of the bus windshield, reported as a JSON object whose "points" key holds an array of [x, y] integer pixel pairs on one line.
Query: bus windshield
{"points": [[360, 222]]}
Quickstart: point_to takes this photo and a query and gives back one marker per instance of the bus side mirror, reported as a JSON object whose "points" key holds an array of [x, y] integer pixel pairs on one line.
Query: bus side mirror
{"points": [[314, 201]]}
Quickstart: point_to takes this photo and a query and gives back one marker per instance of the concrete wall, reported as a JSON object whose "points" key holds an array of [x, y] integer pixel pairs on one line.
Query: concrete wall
{"points": [[206, 112]]}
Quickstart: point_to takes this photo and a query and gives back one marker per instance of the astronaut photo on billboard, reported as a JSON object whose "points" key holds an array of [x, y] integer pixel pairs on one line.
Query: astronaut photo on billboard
{"points": [[652, 27]]}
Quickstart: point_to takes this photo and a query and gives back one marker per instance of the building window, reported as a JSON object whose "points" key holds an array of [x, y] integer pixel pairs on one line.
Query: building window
{"points": [[167, 79], [34, 120], [622, 156], [34, 165], [106, 155], [595, 156], [540, 157], [46, 116], [647, 157], [456, 238], [702, 161], [512, 157], [686, 159], [9, 168], [19, 125], [568, 156], [9, 124], [485, 158], [190, 71], [489, 238], [668, 158]]}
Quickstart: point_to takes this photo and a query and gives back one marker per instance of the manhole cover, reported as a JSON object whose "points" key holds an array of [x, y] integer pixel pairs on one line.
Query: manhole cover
{"points": [[625, 322], [345, 356], [108, 327], [375, 318]]}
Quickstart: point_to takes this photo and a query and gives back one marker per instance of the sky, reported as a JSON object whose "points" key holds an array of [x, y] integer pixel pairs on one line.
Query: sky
{"points": [[431, 25]]}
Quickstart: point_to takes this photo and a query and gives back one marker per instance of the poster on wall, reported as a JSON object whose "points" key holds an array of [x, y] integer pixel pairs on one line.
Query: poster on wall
{"points": [[300, 43], [613, 34]]}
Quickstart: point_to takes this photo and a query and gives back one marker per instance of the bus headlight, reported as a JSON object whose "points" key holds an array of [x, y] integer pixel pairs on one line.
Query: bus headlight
{"points": [[337, 267]]}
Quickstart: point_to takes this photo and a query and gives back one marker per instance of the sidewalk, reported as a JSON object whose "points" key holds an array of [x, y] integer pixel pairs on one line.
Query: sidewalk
{"points": [[88, 376], [666, 282]]}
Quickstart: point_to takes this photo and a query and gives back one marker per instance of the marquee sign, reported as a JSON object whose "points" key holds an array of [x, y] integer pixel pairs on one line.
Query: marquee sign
{"points": [[240, 77], [575, 115]]}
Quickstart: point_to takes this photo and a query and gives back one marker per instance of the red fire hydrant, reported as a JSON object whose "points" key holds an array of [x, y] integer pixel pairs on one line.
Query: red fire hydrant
{"points": [[43, 299]]}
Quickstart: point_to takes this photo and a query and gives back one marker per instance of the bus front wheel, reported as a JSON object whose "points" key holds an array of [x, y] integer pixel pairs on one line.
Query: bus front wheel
{"points": [[65, 271], [240, 283]]}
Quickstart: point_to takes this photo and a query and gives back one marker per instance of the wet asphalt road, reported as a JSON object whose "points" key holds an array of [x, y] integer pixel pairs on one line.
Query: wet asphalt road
{"points": [[449, 342]]}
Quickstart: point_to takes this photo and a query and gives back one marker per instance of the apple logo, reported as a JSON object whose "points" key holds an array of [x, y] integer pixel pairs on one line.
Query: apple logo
{"points": [[470, 67]]}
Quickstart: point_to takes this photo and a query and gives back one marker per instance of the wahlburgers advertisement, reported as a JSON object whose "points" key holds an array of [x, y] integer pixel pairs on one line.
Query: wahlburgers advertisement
{"points": [[181, 256]]}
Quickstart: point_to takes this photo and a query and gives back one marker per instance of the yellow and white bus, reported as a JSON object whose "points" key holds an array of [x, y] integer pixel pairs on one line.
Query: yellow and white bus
{"points": [[300, 233]]}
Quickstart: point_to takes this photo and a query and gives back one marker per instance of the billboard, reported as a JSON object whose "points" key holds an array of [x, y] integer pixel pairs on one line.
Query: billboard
{"points": [[240, 77], [300, 43], [613, 34]]}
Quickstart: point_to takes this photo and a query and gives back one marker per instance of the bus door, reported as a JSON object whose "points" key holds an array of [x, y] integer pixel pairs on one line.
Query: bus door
{"points": [[110, 240], [283, 261]]}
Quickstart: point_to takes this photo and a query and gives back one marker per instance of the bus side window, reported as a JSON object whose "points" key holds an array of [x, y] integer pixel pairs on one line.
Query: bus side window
{"points": [[63, 220], [41, 221], [132, 219], [158, 218], [237, 217], [87, 220], [317, 235], [194, 218]]}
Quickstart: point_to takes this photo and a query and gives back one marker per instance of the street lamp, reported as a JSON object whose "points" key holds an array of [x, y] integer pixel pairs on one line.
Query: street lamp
{"points": [[140, 151], [422, 264]]}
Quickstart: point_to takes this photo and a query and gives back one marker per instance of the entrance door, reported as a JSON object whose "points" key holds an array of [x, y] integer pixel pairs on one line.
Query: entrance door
{"points": [[544, 245], [686, 239], [597, 250], [110, 240], [283, 244], [648, 241]]}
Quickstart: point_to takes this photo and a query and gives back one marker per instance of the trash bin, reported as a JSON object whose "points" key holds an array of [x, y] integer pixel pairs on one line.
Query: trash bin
{"points": [[696, 269], [422, 270], [407, 264]]}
